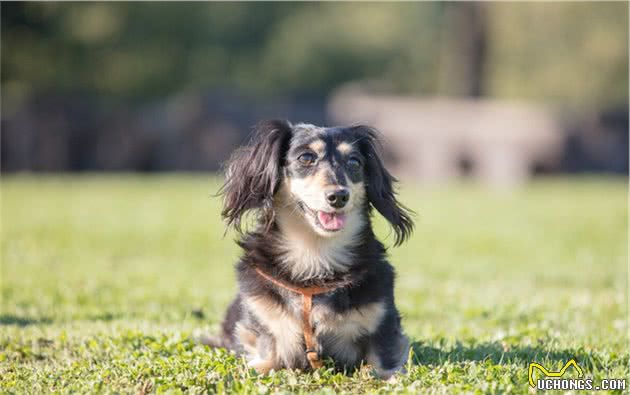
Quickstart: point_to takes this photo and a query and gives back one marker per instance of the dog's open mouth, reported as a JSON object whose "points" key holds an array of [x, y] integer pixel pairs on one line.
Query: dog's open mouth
{"points": [[331, 222]]}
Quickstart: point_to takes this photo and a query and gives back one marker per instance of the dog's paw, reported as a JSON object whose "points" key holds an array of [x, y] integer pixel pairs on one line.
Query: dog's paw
{"points": [[393, 379], [261, 366], [390, 376]]}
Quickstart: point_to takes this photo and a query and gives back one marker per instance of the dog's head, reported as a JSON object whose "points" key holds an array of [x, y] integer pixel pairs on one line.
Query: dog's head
{"points": [[329, 177]]}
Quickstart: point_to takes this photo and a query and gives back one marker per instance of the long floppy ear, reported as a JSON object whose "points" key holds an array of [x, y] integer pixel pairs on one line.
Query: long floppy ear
{"points": [[254, 173], [380, 186]]}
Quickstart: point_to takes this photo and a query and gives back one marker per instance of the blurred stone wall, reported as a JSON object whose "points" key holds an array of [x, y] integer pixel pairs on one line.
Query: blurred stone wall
{"points": [[498, 142], [187, 132], [428, 139]]}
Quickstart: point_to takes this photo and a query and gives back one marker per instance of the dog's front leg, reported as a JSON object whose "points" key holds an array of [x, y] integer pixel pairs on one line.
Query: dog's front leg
{"points": [[264, 358], [389, 347], [258, 348]]}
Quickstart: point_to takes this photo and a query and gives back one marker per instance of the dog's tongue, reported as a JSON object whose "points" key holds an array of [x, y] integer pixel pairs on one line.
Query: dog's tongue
{"points": [[331, 221]]}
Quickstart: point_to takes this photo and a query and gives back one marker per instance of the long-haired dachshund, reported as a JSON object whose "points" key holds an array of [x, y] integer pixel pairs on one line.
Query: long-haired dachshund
{"points": [[314, 282]]}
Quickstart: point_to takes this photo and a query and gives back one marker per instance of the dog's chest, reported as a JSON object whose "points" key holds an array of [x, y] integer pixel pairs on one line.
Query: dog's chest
{"points": [[337, 334], [351, 323], [307, 262]]}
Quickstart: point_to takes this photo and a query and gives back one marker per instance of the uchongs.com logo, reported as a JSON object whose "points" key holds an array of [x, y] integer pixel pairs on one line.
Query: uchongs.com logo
{"points": [[550, 380]]}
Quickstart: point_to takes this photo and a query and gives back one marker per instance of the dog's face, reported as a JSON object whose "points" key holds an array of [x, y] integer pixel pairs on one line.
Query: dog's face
{"points": [[330, 177], [324, 178]]}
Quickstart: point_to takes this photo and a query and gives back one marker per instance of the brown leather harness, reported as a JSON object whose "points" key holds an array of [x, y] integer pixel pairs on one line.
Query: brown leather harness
{"points": [[307, 304]]}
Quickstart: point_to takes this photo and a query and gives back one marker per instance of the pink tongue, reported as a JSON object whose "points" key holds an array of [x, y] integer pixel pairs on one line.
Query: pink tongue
{"points": [[331, 221]]}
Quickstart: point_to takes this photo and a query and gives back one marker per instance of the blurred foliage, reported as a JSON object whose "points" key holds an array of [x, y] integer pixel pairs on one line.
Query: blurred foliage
{"points": [[576, 52], [573, 53]]}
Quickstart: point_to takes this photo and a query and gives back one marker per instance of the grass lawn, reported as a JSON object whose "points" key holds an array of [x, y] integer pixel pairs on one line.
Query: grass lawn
{"points": [[105, 279]]}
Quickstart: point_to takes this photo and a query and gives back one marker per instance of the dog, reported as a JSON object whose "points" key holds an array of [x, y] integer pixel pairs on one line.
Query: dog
{"points": [[314, 281]]}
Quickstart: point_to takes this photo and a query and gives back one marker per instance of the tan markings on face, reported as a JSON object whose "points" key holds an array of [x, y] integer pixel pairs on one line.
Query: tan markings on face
{"points": [[283, 325], [357, 193], [318, 180], [310, 189], [344, 148], [318, 146]]}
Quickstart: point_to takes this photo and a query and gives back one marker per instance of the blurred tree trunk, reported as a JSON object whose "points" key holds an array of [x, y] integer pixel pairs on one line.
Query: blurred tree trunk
{"points": [[464, 49]]}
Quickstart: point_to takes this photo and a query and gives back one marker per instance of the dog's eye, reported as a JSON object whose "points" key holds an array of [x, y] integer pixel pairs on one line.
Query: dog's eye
{"points": [[354, 162], [307, 158]]}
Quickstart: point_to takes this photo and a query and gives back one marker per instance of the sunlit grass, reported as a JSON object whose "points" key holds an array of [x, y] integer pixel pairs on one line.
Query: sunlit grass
{"points": [[106, 278]]}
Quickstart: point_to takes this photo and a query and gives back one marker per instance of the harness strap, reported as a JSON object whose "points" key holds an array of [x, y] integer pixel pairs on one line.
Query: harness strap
{"points": [[307, 305]]}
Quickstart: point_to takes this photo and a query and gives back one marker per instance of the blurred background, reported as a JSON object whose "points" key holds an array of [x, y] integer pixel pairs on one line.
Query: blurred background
{"points": [[494, 92], [105, 276]]}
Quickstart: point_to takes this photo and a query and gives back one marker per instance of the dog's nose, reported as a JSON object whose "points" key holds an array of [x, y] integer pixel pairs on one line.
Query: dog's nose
{"points": [[338, 198]]}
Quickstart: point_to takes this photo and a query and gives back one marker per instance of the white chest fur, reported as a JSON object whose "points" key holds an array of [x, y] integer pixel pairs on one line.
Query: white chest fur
{"points": [[307, 255], [320, 259]]}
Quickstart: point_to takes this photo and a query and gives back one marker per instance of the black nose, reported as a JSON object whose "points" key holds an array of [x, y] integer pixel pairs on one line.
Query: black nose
{"points": [[338, 198]]}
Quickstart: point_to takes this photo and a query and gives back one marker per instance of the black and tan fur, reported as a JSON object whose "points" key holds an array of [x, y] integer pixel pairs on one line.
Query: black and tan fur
{"points": [[284, 176]]}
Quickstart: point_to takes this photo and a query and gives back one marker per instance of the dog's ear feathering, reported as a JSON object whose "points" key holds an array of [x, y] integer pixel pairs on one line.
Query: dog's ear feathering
{"points": [[380, 186], [253, 173]]}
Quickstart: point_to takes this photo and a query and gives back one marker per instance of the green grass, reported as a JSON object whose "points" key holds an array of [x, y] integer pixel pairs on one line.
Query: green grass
{"points": [[105, 279]]}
